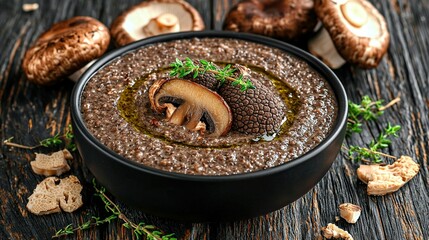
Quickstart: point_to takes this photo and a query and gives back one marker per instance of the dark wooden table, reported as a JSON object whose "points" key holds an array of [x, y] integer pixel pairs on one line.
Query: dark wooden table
{"points": [[30, 113]]}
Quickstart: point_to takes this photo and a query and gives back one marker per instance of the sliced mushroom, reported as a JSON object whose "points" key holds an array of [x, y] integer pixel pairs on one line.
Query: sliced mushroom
{"points": [[154, 17], [285, 19], [65, 48], [192, 104], [358, 31]]}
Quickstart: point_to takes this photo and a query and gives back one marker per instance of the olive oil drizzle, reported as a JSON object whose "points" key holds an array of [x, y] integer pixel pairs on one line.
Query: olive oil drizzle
{"points": [[128, 109]]}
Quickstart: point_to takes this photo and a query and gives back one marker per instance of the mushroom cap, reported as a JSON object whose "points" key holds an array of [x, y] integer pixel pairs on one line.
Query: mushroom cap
{"points": [[193, 103], [285, 19], [65, 48], [130, 25], [360, 37]]}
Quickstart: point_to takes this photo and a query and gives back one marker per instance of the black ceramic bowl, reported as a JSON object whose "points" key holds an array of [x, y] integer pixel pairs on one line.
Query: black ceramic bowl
{"points": [[208, 198]]}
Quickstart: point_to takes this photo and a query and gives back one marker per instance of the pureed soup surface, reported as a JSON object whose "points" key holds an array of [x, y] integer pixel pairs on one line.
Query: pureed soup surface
{"points": [[116, 109]]}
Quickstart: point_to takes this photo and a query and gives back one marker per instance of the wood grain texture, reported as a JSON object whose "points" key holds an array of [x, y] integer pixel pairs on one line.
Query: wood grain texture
{"points": [[30, 113]]}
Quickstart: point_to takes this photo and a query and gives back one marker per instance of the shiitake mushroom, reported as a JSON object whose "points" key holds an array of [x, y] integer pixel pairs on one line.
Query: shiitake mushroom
{"points": [[64, 49]]}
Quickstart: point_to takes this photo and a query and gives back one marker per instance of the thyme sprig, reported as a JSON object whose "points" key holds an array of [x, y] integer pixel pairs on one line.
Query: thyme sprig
{"points": [[151, 232], [372, 153], [367, 110], [55, 141], [94, 221], [188, 66]]}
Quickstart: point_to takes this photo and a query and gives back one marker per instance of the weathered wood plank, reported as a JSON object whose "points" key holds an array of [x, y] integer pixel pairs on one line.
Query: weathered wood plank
{"points": [[30, 113]]}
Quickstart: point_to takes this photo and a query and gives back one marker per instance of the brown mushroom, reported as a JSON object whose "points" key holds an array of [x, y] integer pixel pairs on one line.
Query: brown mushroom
{"points": [[155, 17], [350, 212], [382, 180], [332, 231], [188, 103], [54, 194], [54, 164], [285, 19], [354, 31], [65, 48]]}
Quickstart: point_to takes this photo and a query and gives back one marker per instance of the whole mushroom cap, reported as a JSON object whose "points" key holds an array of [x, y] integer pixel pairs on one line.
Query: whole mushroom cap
{"points": [[65, 48], [285, 19], [358, 30], [155, 17]]}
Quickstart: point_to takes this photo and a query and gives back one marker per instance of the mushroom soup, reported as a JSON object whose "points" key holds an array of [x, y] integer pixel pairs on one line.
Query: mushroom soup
{"points": [[200, 126]]}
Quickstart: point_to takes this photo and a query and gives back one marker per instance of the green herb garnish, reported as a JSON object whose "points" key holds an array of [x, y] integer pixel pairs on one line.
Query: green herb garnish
{"points": [[187, 67], [369, 110], [55, 141], [94, 221], [139, 229], [372, 153]]}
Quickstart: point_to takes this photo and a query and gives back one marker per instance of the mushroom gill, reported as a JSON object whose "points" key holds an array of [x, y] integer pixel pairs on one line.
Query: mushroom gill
{"points": [[354, 31], [192, 105]]}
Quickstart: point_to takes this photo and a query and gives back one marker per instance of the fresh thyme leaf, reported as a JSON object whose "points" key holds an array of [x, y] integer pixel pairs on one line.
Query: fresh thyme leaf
{"points": [[140, 229], [188, 66], [56, 141], [65, 231], [372, 153], [369, 110]]}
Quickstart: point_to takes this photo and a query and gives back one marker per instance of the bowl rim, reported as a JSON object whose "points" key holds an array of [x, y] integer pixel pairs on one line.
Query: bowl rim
{"points": [[315, 63]]}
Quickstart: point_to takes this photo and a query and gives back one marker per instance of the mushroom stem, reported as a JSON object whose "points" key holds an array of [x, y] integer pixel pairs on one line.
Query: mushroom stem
{"points": [[194, 119], [354, 13], [323, 47], [76, 75], [179, 115], [167, 22], [164, 23], [163, 16]]}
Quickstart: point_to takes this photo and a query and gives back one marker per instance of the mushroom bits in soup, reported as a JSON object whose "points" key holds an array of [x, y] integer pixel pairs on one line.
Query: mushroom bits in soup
{"points": [[209, 106]]}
